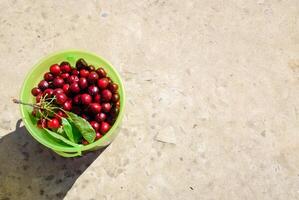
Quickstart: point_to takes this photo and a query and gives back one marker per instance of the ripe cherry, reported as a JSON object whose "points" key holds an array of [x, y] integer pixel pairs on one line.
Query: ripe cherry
{"points": [[100, 117], [101, 72], [65, 67], [66, 88], [86, 99], [65, 76], [84, 73], [97, 98], [55, 70], [48, 76], [59, 115], [53, 123], [75, 72], [83, 83], [106, 107], [103, 83], [42, 123], [98, 135], [81, 64], [92, 77], [35, 91], [93, 90], [58, 91], [77, 99], [61, 98], [74, 87], [104, 128], [43, 85], [106, 95], [113, 87], [95, 108], [72, 79], [58, 82], [48, 92], [67, 105], [38, 97], [95, 125]]}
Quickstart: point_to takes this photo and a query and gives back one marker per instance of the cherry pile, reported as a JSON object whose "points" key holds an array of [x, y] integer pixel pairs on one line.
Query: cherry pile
{"points": [[83, 90]]}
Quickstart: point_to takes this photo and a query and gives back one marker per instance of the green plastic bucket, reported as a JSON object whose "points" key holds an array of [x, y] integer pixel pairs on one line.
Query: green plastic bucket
{"points": [[36, 75]]}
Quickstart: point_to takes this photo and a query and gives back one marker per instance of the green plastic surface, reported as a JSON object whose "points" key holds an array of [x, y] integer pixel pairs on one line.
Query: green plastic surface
{"points": [[36, 75]]}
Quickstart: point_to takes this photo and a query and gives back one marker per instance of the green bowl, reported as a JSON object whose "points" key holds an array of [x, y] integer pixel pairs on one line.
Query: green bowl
{"points": [[36, 75]]}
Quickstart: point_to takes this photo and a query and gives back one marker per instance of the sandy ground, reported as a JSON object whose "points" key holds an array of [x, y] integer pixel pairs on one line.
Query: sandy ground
{"points": [[212, 99]]}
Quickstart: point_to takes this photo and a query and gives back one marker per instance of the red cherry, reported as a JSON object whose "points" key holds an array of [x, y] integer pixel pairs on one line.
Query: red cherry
{"points": [[77, 99], [83, 83], [58, 91], [66, 88], [65, 67], [95, 108], [104, 128], [98, 135], [72, 79], [84, 73], [113, 87], [93, 90], [42, 123], [92, 77], [58, 82], [84, 142], [95, 125], [97, 98], [61, 98], [67, 105], [86, 99], [53, 123], [35, 91], [106, 95], [115, 97], [65, 76], [81, 64], [100, 117], [55, 70], [38, 97], [106, 107], [101, 72], [48, 76], [34, 112], [103, 83], [59, 115], [74, 87], [75, 72], [48, 92], [43, 85]]}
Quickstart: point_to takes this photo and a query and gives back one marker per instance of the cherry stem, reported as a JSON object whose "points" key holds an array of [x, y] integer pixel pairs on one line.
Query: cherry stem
{"points": [[27, 104]]}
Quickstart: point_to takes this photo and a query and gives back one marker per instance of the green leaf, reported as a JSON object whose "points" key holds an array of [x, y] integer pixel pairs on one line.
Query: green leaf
{"points": [[59, 137], [83, 126], [76, 133], [68, 129]]}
